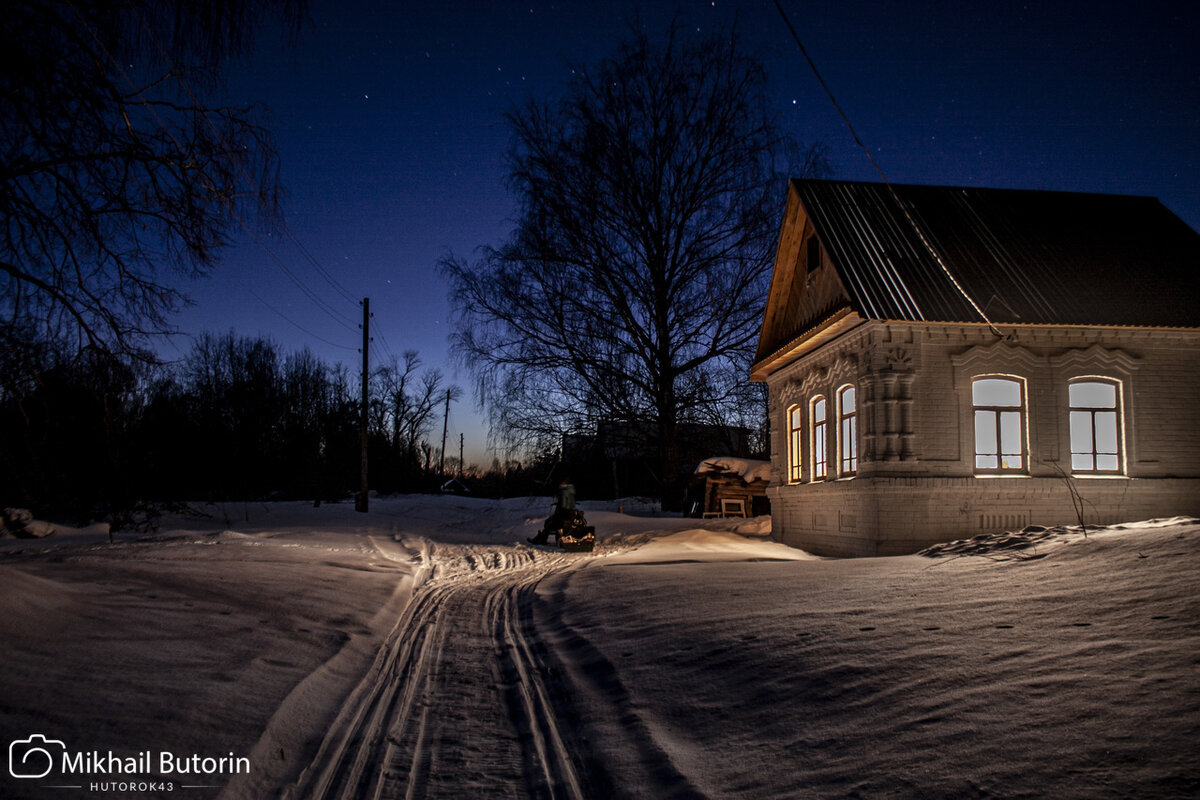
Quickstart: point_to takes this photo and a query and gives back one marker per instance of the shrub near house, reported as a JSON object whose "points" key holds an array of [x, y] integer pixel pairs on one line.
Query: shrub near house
{"points": [[943, 361]]}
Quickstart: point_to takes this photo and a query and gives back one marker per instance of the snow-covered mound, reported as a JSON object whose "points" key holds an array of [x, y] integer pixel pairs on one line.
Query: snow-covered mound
{"points": [[699, 545], [1024, 543]]}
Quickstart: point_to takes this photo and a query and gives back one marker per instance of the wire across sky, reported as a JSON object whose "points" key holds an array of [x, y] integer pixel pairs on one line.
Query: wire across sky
{"points": [[389, 123]]}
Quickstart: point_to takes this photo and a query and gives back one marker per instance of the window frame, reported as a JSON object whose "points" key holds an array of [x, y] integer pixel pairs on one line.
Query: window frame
{"points": [[1117, 425], [997, 412], [795, 434], [819, 438], [847, 463]]}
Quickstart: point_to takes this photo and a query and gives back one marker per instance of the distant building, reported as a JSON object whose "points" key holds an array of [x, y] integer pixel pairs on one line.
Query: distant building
{"points": [[620, 458], [901, 418]]}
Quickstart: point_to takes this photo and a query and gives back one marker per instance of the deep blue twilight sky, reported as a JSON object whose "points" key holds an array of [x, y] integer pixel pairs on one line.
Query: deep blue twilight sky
{"points": [[388, 117]]}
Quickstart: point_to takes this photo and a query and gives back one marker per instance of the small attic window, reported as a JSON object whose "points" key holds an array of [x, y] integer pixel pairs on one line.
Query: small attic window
{"points": [[813, 259]]}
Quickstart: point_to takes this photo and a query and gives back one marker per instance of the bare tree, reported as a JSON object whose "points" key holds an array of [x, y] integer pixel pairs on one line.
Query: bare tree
{"points": [[410, 402], [632, 285], [116, 170]]}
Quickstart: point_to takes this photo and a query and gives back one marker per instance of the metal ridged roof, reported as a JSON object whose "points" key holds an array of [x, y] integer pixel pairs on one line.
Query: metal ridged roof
{"points": [[1022, 256]]}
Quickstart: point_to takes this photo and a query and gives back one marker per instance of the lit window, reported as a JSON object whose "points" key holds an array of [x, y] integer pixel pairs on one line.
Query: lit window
{"points": [[819, 439], [999, 424], [1095, 425], [847, 432], [794, 434]]}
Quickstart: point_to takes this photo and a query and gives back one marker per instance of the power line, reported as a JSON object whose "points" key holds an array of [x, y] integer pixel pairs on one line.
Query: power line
{"points": [[378, 354], [386, 347], [291, 321], [342, 319], [895, 196], [324, 273], [338, 317], [170, 134], [333, 313]]}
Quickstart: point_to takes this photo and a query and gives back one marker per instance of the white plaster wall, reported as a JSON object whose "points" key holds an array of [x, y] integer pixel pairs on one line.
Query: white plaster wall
{"points": [[916, 485]]}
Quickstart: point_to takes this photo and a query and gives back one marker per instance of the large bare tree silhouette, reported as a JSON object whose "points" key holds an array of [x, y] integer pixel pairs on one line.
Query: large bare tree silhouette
{"points": [[631, 289]]}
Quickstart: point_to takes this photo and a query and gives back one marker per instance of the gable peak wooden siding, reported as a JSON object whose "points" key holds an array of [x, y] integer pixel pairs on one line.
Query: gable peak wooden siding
{"points": [[799, 296]]}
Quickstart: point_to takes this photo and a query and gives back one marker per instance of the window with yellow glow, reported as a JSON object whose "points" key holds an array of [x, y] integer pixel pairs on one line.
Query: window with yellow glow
{"points": [[794, 434]]}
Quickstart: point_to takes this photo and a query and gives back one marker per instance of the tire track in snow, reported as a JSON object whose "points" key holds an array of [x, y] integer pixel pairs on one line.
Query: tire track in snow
{"points": [[549, 761], [619, 749], [456, 702]]}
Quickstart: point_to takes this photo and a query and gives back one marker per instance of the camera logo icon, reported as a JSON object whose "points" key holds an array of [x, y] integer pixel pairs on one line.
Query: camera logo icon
{"points": [[33, 757]]}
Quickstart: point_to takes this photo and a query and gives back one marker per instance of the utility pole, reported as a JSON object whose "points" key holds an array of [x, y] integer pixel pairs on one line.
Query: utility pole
{"points": [[445, 429], [461, 463], [361, 503]]}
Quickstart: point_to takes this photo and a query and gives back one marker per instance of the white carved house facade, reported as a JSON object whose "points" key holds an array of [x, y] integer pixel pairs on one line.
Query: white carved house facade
{"points": [[935, 371]]}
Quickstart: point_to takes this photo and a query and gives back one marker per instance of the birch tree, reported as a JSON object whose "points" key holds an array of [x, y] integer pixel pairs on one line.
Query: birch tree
{"points": [[632, 286], [119, 174]]}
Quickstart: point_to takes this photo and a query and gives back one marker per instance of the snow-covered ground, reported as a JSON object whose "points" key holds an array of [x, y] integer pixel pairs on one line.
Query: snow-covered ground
{"points": [[426, 650]]}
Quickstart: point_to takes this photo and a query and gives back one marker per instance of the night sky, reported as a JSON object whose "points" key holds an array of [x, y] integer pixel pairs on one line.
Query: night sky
{"points": [[388, 118]]}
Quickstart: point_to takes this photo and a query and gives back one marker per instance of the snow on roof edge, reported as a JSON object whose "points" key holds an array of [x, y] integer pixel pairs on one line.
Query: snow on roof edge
{"points": [[749, 469]]}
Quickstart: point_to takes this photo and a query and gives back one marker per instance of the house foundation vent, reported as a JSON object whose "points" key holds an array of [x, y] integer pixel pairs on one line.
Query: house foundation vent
{"points": [[1003, 522]]}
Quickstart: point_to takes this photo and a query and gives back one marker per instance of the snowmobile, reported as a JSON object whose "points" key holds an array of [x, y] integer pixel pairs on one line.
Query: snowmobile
{"points": [[571, 531]]}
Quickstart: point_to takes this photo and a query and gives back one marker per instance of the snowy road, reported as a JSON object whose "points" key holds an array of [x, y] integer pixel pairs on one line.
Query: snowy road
{"points": [[426, 650], [456, 703]]}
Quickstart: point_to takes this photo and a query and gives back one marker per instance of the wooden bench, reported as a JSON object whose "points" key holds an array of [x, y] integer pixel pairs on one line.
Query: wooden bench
{"points": [[733, 508]]}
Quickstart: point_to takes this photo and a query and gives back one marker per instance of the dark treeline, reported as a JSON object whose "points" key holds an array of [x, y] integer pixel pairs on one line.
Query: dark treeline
{"points": [[88, 436]]}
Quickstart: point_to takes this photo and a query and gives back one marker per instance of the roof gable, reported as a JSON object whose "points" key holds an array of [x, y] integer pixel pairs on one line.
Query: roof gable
{"points": [[1028, 257], [804, 285]]}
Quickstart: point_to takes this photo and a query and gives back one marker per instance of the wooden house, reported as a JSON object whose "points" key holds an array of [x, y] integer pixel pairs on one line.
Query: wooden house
{"points": [[947, 361]]}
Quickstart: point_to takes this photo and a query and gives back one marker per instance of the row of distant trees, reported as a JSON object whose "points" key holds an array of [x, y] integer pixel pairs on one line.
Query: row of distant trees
{"points": [[87, 435]]}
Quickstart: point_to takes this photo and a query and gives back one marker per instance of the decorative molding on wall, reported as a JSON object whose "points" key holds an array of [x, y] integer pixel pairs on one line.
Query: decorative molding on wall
{"points": [[1094, 359], [999, 356]]}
